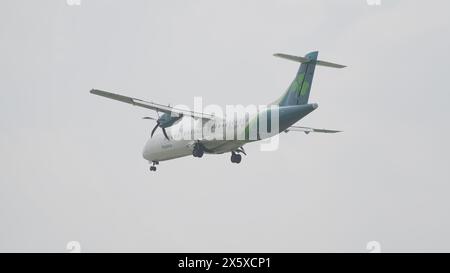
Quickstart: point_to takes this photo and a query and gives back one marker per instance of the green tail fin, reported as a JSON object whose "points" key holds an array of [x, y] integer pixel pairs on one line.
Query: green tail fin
{"points": [[300, 88], [298, 91]]}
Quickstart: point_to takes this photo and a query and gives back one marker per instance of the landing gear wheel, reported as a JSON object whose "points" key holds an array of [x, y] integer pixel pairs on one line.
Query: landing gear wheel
{"points": [[198, 150], [197, 153], [236, 158], [153, 167]]}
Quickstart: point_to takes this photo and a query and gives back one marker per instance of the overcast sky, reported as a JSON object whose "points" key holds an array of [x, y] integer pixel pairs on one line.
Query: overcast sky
{"points": [[72, 166]]}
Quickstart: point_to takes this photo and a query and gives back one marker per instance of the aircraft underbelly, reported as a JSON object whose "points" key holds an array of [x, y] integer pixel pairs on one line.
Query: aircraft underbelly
{"points": [[173, 153], [222, 146]]}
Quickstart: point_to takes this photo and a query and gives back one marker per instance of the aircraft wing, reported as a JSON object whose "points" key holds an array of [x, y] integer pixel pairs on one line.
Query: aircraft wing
{"points": [[308, 130], [151, 105]]}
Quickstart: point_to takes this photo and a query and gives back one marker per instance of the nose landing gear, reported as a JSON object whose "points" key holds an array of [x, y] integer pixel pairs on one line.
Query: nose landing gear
{"points": [[198, 150], [153, 167]]}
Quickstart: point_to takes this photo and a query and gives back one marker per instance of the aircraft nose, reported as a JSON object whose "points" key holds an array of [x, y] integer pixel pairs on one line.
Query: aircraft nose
{"points": [[146, 152]]}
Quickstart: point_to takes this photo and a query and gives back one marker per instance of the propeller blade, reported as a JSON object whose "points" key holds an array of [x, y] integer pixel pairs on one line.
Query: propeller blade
{"points": [[165, 133], [149, 118], [154, 129]]}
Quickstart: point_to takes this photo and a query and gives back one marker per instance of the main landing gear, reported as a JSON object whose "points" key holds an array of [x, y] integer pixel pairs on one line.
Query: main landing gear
{"points": [[198, 150], [153, 167], [235, 155], [236, 158]]}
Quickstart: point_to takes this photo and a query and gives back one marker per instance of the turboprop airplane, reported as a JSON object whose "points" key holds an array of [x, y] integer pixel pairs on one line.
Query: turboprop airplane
{"points": [[169, 144]]}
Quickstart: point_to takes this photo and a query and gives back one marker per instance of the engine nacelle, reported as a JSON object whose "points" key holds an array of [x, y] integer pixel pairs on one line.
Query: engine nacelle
{"points": [[167, 120]]}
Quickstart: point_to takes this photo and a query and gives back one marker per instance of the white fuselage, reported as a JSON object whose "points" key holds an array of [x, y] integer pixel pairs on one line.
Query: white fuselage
{"points": [[158, 148]]}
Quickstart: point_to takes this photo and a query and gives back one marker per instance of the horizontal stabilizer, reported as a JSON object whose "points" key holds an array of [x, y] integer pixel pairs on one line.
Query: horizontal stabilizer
{"points": [[308, 130], [306, 60]]}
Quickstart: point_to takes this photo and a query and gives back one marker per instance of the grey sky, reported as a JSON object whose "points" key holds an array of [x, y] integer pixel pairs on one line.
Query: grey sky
{"points": [[71, 163]]}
